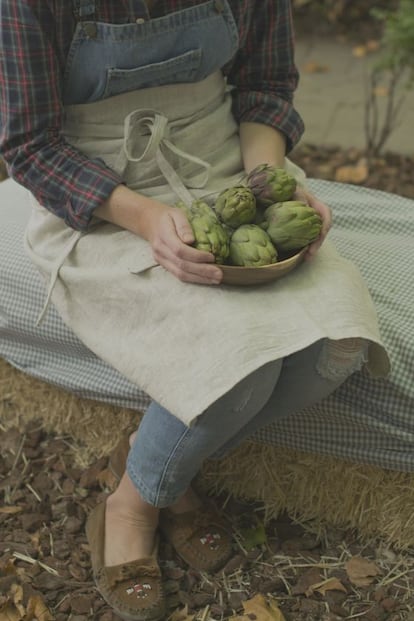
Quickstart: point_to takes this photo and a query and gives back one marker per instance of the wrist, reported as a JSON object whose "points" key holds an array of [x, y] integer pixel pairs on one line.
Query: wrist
{"points": [[130, 210]]}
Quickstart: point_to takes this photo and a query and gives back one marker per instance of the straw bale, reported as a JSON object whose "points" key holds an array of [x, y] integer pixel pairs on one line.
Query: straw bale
{"points": [[319, 490], [315, 489], [94, 427]]}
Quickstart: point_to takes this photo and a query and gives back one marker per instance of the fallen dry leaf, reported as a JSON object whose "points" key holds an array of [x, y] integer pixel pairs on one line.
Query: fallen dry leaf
{"points": [[306, 581], [106, 479], [359, 51], [262, 610], [9, 612], [181, 615], [381, 91], [361, 572], [373, 45], [10, 510], [314, 67], [16, 592], [357, 173], [37, 609], [8, 568], [331, 584]]}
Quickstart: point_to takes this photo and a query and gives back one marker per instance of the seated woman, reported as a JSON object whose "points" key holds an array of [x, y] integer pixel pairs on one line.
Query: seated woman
{"points": [[125, 110]]}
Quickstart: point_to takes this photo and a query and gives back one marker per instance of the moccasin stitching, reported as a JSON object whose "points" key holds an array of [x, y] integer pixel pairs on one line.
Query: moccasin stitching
{"points": [[114, 595], [185, 533]]}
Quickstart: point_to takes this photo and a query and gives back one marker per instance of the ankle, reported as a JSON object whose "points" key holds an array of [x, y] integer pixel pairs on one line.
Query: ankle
{"points": [[127, 499]]}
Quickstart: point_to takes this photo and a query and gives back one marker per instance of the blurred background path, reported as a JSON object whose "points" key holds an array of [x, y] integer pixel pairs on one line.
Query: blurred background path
{"points": [[331, 94]]}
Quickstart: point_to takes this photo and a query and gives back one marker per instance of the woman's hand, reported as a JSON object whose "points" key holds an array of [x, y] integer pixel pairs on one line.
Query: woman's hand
{"points": [[166, 229], [170, 235], [325, 213]]}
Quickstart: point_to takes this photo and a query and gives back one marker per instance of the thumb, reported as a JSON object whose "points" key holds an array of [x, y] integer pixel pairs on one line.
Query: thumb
{"points": [[183, 227]]}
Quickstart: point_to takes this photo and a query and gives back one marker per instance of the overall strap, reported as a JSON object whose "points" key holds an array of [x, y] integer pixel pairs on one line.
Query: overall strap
{"points": [[83, 9]]}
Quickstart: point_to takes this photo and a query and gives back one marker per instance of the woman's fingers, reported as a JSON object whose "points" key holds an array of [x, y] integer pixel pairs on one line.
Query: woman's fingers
{"points": [[182, 226], [324, 211], [172, 250]]}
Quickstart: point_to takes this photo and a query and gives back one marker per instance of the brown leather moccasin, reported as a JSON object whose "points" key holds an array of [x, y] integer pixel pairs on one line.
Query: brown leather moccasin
{"points": [[201, 537], [133, 590]]}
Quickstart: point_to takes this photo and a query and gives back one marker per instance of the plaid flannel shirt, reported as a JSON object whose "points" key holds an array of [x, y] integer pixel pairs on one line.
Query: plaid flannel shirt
{"points": [[35, 36]]}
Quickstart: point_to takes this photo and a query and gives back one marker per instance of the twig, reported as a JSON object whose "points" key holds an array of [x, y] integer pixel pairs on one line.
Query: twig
{"points": [[33, 561], [34, 492]]}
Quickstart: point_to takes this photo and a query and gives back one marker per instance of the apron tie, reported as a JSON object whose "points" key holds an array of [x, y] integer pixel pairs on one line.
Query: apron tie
{"points": [[147, 121], [67, 249]]}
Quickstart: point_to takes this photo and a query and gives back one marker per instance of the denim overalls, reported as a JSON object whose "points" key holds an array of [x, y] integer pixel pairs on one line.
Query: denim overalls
{"points": [[150, 100], [111, 59]]}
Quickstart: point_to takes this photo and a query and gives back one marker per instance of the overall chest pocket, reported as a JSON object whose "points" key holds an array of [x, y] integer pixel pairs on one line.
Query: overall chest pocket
{"points": [[182, 68]]}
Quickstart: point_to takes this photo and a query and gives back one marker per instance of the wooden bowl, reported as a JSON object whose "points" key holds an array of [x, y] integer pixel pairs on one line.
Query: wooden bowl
{"points": [[247, 276]]}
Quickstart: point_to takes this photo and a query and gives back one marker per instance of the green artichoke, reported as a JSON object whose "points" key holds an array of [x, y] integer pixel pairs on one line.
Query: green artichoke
{"points": [[271, 185], [291, 225], [251, 246], [236, 206], [209, 233]]}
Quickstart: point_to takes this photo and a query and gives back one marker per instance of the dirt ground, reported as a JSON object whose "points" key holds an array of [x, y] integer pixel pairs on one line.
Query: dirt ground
{"points": [[390, 173], [279, 571]]}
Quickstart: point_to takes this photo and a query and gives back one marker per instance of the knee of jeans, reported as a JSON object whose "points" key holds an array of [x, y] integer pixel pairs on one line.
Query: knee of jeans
{"points": [[251, 394], [340, 358]]}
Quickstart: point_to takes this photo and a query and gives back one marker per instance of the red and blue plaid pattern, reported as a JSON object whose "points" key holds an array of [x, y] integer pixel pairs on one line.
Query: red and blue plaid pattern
{"points": [[35, 36]]}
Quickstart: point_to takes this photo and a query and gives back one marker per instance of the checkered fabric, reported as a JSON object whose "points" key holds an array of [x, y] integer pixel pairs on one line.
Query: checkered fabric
{"points": [[366, 420]]}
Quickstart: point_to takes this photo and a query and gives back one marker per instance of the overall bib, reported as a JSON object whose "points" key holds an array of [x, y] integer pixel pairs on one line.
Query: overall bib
{"points": [[149, 99]]}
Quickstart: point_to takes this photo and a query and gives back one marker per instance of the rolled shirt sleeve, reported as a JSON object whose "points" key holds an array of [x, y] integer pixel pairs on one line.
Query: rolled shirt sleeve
{"points": [[263, 73], [61, 178]]}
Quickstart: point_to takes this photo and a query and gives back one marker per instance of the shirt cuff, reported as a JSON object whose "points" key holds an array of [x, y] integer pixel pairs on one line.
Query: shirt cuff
{"points": [[269, 110], [89, 187]]}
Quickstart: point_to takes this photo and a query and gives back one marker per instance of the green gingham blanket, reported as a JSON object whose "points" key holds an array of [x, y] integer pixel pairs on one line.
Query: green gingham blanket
{"points": [[365, 420]]}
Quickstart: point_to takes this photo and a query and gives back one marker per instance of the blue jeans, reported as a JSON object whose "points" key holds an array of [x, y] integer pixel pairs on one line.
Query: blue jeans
{"points": [[167, 454]]}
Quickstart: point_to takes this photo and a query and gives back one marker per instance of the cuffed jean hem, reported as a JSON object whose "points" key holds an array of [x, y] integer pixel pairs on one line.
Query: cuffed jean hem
{"points": [[157, 496], [154, 499]]}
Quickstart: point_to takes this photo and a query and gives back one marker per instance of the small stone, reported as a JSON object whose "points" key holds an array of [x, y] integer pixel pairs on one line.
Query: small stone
{"points": [[171, 586], [217, 611], [64, 605], [236, 599], [273, 585], [79, 573], [73, 525], [201, 600], [174, 573], [81, 604], [185, 598], [235, 563], [389, 604], [47, 581], [68, 487], [254, 554], [33, 521]]}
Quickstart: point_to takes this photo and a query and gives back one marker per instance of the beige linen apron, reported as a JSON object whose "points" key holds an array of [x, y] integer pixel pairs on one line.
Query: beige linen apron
{"points": [[185, 345]]}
